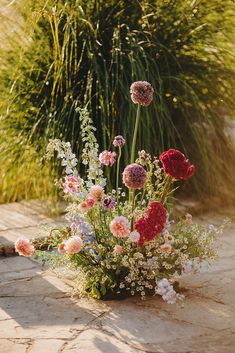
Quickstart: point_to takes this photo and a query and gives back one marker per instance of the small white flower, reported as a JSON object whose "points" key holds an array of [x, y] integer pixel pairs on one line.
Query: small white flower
{"points": [[134, 236]]}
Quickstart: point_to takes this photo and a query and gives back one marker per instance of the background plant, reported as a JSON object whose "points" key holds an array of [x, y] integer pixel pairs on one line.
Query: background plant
{"points": [[64, 55]]}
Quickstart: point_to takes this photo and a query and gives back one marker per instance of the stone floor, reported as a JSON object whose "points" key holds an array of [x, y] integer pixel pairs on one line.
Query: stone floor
{"points": [[38, 314], [25, 219]]}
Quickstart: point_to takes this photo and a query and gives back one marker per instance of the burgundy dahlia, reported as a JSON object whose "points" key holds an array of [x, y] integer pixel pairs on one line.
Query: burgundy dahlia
{"points": [[141, 92], [134, 176], [176, 164], [151, 223]]}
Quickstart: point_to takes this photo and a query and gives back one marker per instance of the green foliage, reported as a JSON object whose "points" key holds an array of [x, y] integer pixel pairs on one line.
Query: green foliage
{"points": [[73, 53]]}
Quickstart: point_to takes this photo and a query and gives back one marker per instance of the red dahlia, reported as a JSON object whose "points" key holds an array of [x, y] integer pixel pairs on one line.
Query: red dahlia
{"points": [[176, 164]]}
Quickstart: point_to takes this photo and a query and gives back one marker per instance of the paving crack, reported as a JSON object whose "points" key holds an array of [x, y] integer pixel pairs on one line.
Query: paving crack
{"points": [[126, 342]]}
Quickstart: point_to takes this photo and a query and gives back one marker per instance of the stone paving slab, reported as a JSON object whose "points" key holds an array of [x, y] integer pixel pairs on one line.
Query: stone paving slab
{"points": [[23, 220], [38, 313]]}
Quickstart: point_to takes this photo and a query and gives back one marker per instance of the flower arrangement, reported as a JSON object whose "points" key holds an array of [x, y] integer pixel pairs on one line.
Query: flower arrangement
{"points": [[122, 241]]}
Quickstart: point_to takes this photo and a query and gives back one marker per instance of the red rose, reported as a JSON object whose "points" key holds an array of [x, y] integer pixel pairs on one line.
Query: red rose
{"points": [[176, 164]]}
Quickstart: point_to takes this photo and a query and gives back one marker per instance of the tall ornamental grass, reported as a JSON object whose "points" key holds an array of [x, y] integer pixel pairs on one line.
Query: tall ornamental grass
{"points": [[63, 54]]}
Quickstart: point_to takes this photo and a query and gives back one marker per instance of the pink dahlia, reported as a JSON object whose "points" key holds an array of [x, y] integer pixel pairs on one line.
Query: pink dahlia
{"points": [[120, 227], [107, 158], [96, 192], [73, 245], [118, 141], [24, 247], [141, 92], [134, 176]]}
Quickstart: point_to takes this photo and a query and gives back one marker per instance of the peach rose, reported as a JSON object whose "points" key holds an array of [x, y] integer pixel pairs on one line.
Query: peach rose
{"points": [[24, 247], [73, 245]]}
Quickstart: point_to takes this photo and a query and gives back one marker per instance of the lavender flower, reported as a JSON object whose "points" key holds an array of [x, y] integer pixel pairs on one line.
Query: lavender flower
{"points": [[166, 290], [78, 224]]}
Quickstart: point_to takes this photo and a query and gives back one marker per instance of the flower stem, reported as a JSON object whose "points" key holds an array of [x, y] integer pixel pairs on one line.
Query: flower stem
{"points": [[118, 168], [135, 134], [169, 180], [132, 208], [132, 192]]}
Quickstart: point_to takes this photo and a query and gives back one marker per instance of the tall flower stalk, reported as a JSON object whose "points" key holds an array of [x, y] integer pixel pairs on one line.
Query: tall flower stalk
{"points": [[137, 120], [132, 192], [141, 94], [118, 141], [118, 169]]}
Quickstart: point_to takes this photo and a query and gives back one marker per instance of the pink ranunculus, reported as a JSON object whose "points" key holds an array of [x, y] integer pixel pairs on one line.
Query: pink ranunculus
{"points": [[90, 201], [24, 247], [83, 207], [86, 205], [73, 245], [107, 158], [118, 249], [120, 227], [96, 192]]}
